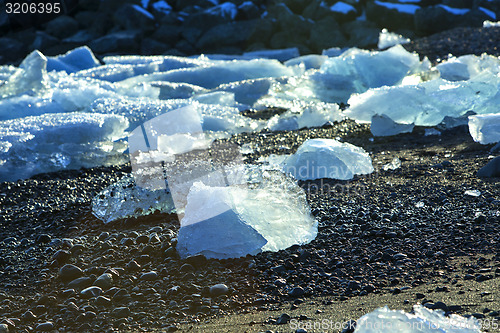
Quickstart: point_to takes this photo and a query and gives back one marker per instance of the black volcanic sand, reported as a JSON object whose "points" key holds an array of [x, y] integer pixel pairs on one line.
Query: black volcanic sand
{"points": [[394, 237]]}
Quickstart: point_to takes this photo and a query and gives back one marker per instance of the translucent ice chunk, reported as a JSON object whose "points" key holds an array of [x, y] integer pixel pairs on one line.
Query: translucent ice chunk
{"points": [[73, 61], [172, 90], [387, 39], [281, 55], [425, 104], [382, 125], [249, 91], [373, 69], [308, 61], [125, 199], [327, 158], [485, 128], [220, 72], [274, 213], [31, 77], [422, 321], [59, 141], [393, 165]]}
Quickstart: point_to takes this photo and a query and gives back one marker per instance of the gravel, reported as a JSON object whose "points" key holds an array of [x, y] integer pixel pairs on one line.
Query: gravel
{"points": [[392, 230]]}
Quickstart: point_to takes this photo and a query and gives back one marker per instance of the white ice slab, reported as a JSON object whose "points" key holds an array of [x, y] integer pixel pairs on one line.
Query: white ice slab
{"points": [[328, 158], [73, 61], [485, 128]]}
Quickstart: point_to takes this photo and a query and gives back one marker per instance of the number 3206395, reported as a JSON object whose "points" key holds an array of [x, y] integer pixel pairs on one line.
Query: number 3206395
{"points": [[32, 8]]}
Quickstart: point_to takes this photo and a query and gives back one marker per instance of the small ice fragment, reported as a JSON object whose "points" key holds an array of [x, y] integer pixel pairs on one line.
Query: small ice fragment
{"points": [[422, 321], [431, 131], [420, 204], [485, 128], [125, 199], [489, 24], [327, 158], [393, 165], [383, 125], [473, 193], [387, 39]]}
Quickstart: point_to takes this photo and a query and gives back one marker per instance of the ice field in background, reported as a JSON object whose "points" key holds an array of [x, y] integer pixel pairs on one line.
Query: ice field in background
{"points": [[392, 89]]}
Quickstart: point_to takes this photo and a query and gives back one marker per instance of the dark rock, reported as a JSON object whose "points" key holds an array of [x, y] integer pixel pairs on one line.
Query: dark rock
{"points": [[197, 261], [121, 41], [130, 17], [100, 24], [43, 239], [89, 4], [11, 49], [229, 34], [104, 281], [218, 289], [62, 26], [433, 19], [167, 33], [283, 319], [316, 10], [183, 4], [149, 276], [344, 12], [296, 292], [248, 11], [43, 41], [121, 312], [363, 34], [491, 169], [195, 25], [91, 292], [440, 306], [349, 326], [151, 47], [62, 256], [70, 272], [80, 283], [389, 18], [325, 34], [45, 327]]}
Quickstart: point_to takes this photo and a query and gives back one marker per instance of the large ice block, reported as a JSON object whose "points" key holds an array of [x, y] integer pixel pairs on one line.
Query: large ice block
{"points": [[327, 158], [423, 320], [272, 210], [485, 128], [382, 125]]}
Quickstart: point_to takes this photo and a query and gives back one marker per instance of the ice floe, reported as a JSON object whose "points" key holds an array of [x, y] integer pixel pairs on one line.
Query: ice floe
{"points": [[485, 128], [393, 89]]}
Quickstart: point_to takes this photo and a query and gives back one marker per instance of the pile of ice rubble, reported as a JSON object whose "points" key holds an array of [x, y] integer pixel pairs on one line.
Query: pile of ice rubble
{"points": [[422, 320], [70, 111]]}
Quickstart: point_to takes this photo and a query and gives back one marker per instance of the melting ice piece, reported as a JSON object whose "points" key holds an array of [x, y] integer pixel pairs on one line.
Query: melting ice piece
{"points": [[308, 61], [473, 193], [281, 55], [125, 199], [328, 158], [73, 60], [59, 141], [31, 77], [485, 128], [393, 165], [382, 125], [270, 215], [387, 39], [423, 321]]}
